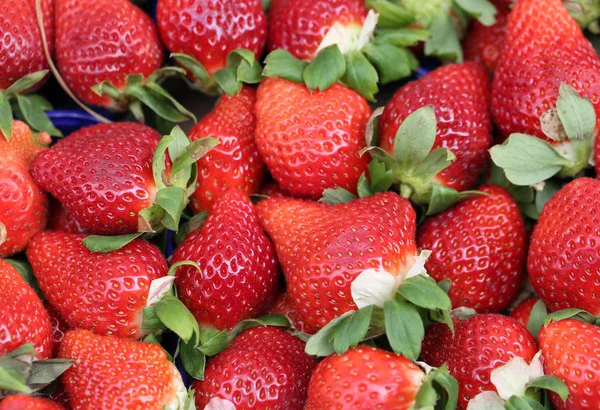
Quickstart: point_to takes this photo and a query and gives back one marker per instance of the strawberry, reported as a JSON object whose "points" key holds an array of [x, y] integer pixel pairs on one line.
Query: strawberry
{"points": [[483, 44], [238, 269], [283, 305], [23, 402], [271, 188], [102, 292], [114, 373], [63, 220], [311, 141], [322, 248], [562, 260], [459, 95], [480, 245], [522, 311], [24, 319], [479, 345], [264, 367], [235, 162], [59, 327], [23, 205]]}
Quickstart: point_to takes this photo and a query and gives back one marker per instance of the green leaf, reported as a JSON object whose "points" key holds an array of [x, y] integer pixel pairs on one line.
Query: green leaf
{"points": [[176, 317], [6, 120], [105, 244], [446, 385], [442, 198], [521, 403], [391, 15], [543, 196], [193, 360], [26, 82], [150, 320], [193, 66], [26, 272], [360, 75], [35, 116], [321, 343], [227, 80], [435, 162], [193, 152], [40, 101], [149, 218], [422, 291], [266, 4], [371, 131], [482, 10], [106, 88], [327, 68], [444, 42], [536, 318], [363, 188], [173, 200], [281, 63], [154, 87], [44, 372], [333, 196], [12, 381], [527, 160], [160, 105], [567, 314], [415, 137], [158, 161], [404, 328], [550, 383], [401, 37], [352, 330], [215, 342], [250, 73], [380, 177], [576, 114], [393, 63], [270, 319]]}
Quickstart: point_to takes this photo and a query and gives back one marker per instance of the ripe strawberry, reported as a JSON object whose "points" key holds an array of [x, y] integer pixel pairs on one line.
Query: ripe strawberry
{"points": [[364, 377], [114, 373], [545, 46], [235, 162], [299, 27], [23, 402], [480, 245], [570, 349], [238, 277], [264, 367], [23, 205], [483, 44], [522, 311], [24, 319], [311, 141], [284, 305], [210, 30], [272, 188], [104, 40], [59, 327], [562, 261], [322, 248], [479, 345], [102, 292], [459, 94], [63, 220]]}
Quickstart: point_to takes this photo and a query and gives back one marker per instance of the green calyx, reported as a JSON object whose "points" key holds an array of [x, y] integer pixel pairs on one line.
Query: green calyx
{"points": [[586, 13], [439, 390], [573, 313]]}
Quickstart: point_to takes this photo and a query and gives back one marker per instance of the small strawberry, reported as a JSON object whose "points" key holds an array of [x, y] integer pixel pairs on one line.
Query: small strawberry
{"points": [[102, 292], [283, 305], [263, 368], [114, 373], [23, 205], [311, 141], [479, 345], [238, 272], [483, 44], [235, 162], [63, 220], [522, 312], [23, 402], [480, 245], [59, 327]]}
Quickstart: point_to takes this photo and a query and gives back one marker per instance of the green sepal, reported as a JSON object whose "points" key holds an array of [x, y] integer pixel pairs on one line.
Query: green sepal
{"points": [[12, 381], [380, 177], [281, 63], [44, 372], [522, 403], [35, 116], [26, 272], [391, 15], [372, 132], [444, 42], [423, 291], [403, 37], [193, 359], [352, 330], [333, 196], [438, 390], [26, 82], [176, 317], [586, 13], [415, 137], [321, 343], [194, 223], [482, 10], [242, 67], [360, 75], [326, 69], [443, 198], [392, 62], [204, 82], [213, 341], [193, 152], [105, 244], [572, 313], [536, 318], [172, 200], [404, 328], [6, 116], [550, 383]]}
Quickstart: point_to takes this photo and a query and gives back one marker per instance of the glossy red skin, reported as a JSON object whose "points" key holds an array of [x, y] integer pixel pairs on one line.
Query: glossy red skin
{"points": [[522, 312], [235, 162], [113, 373], [483, 44], [23, 205], [59, 327], [570, 350], [480, 344], [239, 273], [364, 377], [104, 40], [102, 292], [299, 26], [459, 93], [24, 319], [563, 262], [209, 30], [271, 188], [23, 402], [63, 220], [263, 368], [284, 306], [480, 245], [322, 248], [102, 174], [544, 47], [21, 50], [311, 141]]}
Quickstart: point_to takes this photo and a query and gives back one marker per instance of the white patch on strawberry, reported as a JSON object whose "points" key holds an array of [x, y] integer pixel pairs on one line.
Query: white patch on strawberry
{"points": [[217, 403], [487, 400], [350, 37], [182, 397], [3, 233], [158, 288]]}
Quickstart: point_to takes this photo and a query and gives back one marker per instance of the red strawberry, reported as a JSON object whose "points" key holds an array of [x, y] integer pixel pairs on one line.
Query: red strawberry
{"points": [[480, 245], [238, 277], [364, 377], [23, 205], [322, 248], [479, 345], [570, 349], [210, 30], [271, 188], [21, 51], [235, 162], [459, 94], [299, 27], [522, 311], [311, 141], [63, 220], [102, 292], [24, 319], [59, 327], [114, 373], [22, 402], [544, 47], [263, 368], [104, 40], [483, 44], [562, 262], [283, 305]]}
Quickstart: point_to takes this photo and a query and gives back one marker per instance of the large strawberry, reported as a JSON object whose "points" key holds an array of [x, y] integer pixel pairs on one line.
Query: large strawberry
{"points": [[23, 402], [322, 248], [23, 205], [238, 272], [310, 141], [102, 292], [483, 44], [63, 220], [480, 245], [264, 367], [235, 162], [114, 373], [59, 327], [284, 305], [24, 319]]}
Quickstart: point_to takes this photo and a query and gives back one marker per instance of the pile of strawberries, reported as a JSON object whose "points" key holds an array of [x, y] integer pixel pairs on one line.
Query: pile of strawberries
{"points": [[298, 247]]}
